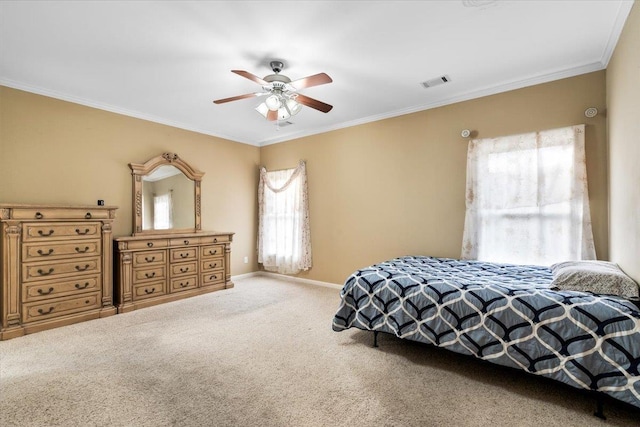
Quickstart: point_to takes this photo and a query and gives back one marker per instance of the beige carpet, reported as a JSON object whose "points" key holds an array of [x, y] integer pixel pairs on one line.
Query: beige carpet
{"points": [[263, 354]]}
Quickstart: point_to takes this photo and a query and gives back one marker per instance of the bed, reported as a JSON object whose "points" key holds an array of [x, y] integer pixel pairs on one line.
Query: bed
{"points": [[506, 314]]}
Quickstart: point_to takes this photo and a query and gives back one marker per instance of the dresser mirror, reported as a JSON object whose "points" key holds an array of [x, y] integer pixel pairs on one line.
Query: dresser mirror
{"points": [[166, 196]]}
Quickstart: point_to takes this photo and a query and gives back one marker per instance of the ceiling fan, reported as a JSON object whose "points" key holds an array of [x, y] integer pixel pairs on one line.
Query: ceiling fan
{"points": [[283, 99]]}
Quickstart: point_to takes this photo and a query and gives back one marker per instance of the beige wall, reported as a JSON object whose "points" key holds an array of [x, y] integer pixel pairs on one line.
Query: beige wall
{"points": [[53, 151], [623, 114], [396, 187], [379, 190]]}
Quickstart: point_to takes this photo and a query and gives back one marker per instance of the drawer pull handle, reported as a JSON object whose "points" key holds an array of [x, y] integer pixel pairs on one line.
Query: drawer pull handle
{"points": [[79, 286], [43, 234], [43, 254], [88, 215], [186, 242], [41, 292], [215, 240], [149, 276], [41, 311], [153, 258], [184, 285], [86, 267], [147, 291], [80, 251], [150, 244], [185, 255], [184, 270], [214, 277], [213, 252], [39, 215], [45, 273], [214, 265], [86, 231]]}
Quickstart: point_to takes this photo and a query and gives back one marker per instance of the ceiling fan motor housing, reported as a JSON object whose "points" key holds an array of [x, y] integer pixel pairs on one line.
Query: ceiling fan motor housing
{"points": [[277, 81], [277, 78]]}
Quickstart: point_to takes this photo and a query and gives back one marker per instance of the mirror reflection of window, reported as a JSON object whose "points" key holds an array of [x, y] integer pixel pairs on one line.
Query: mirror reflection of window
{"points": [[162, 211], [160, 214]]}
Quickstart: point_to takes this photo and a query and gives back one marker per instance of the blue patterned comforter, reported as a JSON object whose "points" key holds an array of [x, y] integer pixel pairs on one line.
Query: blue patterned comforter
{"points": [[505, 314]]}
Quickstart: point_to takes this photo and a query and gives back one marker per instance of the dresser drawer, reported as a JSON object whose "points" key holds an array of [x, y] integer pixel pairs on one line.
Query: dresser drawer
{"points": [[41, 271], [53, 289], [146, 274], [212, 264], [223, 238], [184, 241], [149, 258], [183, 254], [46, 214], [183, 268], [183, 283], [212, 277], [54, 250], [147, 244], [212, 251], [59, 307], [148, 290], [61, 230]]}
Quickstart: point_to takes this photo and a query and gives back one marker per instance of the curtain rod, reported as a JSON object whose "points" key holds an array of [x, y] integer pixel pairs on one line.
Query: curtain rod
{"points": [[589, 113], [283, 169]]}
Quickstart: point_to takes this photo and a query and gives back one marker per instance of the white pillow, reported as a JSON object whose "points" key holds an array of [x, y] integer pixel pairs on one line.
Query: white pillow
{"points": [[599, 277]]}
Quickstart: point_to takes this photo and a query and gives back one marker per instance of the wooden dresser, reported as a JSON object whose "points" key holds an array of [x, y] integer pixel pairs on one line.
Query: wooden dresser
{"points": [[153, 269], [56, 266]]}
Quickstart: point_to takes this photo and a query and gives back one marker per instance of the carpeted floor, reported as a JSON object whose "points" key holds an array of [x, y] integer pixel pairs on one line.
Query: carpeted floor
{"points": [[263, 354]]}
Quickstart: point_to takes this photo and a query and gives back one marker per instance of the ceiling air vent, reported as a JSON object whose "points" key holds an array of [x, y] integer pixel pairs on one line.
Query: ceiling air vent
{"points": [[282, 124], [435, 82]]}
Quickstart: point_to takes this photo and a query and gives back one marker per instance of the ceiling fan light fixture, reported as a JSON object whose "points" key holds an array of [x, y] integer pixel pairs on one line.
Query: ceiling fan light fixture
{"points": [[262, 109], [292, 107], [283, 113], [273, 102]]}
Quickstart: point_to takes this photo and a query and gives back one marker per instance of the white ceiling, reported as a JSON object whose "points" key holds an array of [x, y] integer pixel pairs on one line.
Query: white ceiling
{"points": [[166, 61]]}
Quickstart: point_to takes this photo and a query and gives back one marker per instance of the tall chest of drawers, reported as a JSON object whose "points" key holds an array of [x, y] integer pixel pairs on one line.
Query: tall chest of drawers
{"points": [[154, 269], [56, 264]]}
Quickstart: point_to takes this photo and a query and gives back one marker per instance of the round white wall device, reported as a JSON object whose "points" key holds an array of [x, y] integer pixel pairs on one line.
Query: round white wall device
{"points": [[591, 112]]}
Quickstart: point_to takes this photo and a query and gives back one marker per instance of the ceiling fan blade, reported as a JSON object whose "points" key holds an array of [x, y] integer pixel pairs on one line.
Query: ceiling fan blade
{"points": [[315, 80], [250, 76], [313, 103], [272, 115], [235, 98]]}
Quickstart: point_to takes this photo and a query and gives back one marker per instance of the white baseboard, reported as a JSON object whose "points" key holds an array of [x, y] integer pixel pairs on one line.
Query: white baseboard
{"points": [[245, 276], [289, 278]]}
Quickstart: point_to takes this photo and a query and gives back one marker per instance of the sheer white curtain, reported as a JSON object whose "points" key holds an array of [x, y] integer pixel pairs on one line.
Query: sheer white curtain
{"points": [[527, 200], [162, 211], [284, 239]]}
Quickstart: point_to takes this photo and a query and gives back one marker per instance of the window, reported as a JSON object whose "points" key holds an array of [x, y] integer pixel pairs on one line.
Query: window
{"points": [[284, 244], [527, 199], [162, 212]]}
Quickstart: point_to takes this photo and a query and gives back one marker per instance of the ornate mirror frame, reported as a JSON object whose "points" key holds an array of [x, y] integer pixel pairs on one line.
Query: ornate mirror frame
{"points": [[140, 170]]}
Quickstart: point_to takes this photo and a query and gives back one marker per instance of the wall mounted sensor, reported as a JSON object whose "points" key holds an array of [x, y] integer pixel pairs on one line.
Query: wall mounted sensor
{"points": [[591, 112]]}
